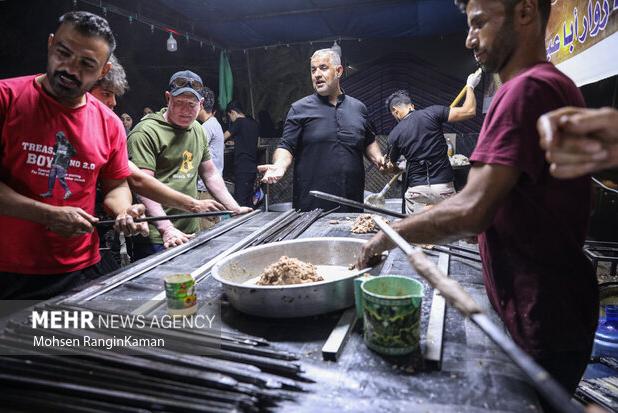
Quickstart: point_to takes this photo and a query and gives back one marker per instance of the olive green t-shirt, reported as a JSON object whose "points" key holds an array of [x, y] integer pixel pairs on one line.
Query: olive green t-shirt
{"points": [[174, 154]]}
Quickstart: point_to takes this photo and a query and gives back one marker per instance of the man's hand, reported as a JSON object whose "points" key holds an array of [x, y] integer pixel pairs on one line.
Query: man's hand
{"points": [[173, 237], [474, 79], [391, 168], [69, 221], [207, 205], [272, 173], [242, 210], [372, 250], [124, 221], [579, 141], [382, 164]]}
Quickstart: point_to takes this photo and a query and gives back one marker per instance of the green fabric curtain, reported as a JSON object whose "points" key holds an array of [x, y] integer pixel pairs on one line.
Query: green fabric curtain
{"points": [[226, 80]]}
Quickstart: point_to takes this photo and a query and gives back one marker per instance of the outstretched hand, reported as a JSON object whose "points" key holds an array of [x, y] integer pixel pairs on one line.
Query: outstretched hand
{"points": [[272, 173]]}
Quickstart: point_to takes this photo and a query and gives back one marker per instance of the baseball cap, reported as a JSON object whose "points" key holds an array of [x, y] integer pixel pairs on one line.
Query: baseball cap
{"points": [[186, 81]]}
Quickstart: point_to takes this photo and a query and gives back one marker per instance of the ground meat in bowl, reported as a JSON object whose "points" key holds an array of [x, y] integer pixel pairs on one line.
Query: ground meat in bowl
{"points": [[289, 271]]}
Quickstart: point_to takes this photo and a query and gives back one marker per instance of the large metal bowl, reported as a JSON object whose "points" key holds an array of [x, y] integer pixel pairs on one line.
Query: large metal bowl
{"points": [[298, 300]]}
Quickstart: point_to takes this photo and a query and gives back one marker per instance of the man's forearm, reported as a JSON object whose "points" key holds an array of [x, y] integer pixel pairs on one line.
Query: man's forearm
{"points": [[154, 209], [465, 214], [216, 186], [450, 220], [282, 158], [469, 105], [374, 154], [117, 199], [16, 205], [148, 186]]}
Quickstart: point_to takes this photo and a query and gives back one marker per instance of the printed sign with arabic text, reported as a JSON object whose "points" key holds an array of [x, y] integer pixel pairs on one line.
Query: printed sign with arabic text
{"points": [[576, 25]]}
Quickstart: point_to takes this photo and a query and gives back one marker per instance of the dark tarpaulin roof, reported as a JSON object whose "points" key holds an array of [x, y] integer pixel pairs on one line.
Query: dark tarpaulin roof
{"points": [[241, 24]]}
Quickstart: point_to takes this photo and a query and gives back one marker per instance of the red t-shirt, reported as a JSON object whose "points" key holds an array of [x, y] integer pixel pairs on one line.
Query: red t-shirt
{"points": [[536, 275], [39, 137]]}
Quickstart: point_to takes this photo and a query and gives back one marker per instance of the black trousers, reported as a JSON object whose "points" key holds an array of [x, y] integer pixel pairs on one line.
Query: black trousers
{"points": [[14, 286], [243, 188]]}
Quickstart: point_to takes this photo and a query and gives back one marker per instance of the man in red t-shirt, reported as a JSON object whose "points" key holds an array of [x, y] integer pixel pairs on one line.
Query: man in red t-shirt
{"points": [[52, 131], [531, 225]]}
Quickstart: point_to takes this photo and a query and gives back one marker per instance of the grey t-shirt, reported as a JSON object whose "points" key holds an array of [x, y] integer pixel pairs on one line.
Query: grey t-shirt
{"points": [[214, 133]]}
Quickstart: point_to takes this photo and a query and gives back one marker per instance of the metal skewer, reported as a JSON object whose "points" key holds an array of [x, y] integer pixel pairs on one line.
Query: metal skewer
{"points": [[354, 204], [107, 222], [460, 299], [149, 263]]}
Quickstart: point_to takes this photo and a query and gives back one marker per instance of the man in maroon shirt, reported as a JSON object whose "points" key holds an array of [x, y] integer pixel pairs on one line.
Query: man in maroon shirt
{"points": [[531, 225]]}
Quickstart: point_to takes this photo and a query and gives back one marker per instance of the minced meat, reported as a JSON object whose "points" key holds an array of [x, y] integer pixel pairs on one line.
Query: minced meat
{"points": [[289, 271], [364, 224]]}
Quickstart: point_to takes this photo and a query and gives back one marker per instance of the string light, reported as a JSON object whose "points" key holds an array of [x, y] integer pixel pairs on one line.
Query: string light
{"points": [[172, 45], [131, 16], [191, 36]]}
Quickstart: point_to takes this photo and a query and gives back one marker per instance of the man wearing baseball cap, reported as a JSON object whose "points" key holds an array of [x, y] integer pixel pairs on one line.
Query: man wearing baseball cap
{"points": [[170, 145]]}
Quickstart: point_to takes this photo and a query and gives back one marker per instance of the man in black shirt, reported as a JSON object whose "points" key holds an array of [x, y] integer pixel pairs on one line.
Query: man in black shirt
{"points": [[419, 138], [245, 132], [326, 134]]}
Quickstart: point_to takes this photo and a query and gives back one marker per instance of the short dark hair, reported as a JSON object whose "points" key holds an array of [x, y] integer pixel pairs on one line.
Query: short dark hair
{"points": [[209, 99], [400, 97], [234, 106], [509, 6], [90, 24]]}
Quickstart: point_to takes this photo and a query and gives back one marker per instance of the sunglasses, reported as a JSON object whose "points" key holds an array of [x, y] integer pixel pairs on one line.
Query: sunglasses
{"points": [[183, 82]]}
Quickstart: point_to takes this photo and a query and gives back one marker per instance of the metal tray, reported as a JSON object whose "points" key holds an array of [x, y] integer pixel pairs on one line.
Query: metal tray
{"points": [[297, 300]]}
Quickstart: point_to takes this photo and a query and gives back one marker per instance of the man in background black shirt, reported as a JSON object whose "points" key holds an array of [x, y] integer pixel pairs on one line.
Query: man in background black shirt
{"points": [[326, 134], [419, 138], [245, 132]]}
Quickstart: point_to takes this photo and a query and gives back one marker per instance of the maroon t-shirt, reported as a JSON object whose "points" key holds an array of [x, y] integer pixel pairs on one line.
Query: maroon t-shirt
{"points": [[536, 275]]}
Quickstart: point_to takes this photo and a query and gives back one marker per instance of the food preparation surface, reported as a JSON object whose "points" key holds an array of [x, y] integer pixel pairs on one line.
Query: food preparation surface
{"points": [[475, 375]]}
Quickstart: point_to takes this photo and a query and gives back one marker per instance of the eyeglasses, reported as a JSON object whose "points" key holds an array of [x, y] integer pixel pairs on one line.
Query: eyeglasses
{"points": [[184, 82]]}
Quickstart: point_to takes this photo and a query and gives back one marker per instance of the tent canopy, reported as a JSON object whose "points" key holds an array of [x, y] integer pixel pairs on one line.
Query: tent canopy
{"points": [[239, 24]]}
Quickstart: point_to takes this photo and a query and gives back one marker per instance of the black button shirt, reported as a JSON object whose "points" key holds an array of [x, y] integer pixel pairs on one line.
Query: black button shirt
{"points": [[420, 139], [328, 143]]}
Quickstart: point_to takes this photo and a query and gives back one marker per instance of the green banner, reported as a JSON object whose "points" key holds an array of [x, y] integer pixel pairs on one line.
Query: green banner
{"points": [[226, 81]]}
